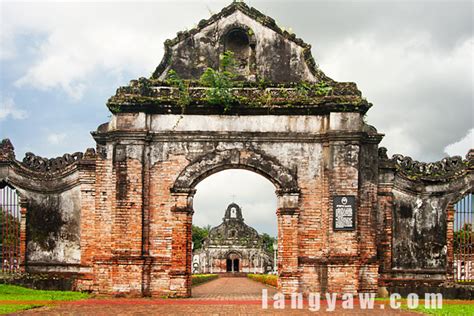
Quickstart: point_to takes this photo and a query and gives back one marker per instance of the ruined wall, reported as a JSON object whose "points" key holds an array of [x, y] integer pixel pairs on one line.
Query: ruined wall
{"points": [[53, 194], [53, 227], [414, 203]]}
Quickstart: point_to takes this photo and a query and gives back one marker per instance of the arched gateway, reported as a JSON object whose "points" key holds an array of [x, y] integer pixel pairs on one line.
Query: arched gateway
{"points": [[349, 218]]}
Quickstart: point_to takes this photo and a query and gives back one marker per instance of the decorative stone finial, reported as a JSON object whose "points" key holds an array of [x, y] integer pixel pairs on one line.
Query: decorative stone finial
{"points": [[7, 151], [383, 153]]}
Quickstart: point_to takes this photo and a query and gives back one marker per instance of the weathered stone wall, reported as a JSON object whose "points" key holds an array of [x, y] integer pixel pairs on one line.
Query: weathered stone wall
{"points": [[267, 48], [156, 161], [415, 200], [53, 195]]}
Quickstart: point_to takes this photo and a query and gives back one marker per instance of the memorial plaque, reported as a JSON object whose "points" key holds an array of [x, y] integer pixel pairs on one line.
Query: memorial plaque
{"points": [[344, 211]]}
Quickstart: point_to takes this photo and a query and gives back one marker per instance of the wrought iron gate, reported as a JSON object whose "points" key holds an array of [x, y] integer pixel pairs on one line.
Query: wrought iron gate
{"points": [[10, 229], [463, 242]]}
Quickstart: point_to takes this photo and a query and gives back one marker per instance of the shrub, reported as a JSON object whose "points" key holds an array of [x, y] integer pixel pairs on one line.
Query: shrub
{"points": [[268, 279], [202, 278]]}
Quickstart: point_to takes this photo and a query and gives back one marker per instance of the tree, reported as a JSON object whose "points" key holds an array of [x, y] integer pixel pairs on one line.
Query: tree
{"points": [[199, 234], [464, 238], [268, 242], [9, 229]]}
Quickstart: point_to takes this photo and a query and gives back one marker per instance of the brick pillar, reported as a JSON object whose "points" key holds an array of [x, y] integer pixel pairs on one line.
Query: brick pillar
{"points": [[384, 239], [23, 237], [450, 242], [181, 252], [288, 214]]}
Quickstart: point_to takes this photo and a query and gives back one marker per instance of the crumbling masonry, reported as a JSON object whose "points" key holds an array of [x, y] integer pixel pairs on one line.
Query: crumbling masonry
{"points": [[117, 219]]}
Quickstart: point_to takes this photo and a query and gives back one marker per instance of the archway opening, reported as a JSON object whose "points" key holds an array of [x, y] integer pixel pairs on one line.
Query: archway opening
{"points": [[235, 227], [463, 240], [10, 228], [238, 42]]}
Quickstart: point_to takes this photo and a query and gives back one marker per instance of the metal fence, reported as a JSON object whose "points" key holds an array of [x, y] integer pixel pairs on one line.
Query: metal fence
{"points": [[463, 242], [10, 229]]}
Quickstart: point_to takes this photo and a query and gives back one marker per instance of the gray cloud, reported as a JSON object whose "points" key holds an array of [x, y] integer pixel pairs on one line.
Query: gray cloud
{"points": [[412, 59]]}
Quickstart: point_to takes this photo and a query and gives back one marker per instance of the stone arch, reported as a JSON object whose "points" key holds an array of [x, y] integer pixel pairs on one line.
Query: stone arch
{"points": [[288, 200], [283, 178]]}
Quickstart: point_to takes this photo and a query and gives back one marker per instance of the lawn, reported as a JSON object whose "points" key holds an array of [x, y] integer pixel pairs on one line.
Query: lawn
{"points": [[20, 294], [449, 309]]}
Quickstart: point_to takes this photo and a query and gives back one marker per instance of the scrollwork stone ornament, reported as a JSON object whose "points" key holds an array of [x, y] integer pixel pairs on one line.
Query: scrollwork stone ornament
{"points": [[40, 164], [444, 169]]}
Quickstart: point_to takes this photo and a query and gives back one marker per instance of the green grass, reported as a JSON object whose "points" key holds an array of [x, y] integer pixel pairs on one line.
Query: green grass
{"points": [[449, 310], [11, 308], [18, 293]]}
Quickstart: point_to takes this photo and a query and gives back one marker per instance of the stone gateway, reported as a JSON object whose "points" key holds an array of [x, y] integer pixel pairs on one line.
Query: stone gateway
{"points": [[233, 246], [237, 92]]}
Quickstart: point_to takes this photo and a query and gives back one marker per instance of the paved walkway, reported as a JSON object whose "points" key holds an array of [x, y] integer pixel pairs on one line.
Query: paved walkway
{"points": [[224, 296], [231, 289]]}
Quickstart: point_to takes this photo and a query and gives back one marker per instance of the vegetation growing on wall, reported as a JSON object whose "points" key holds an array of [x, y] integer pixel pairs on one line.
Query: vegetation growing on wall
{"points": [[220, 82], [183, 88]]}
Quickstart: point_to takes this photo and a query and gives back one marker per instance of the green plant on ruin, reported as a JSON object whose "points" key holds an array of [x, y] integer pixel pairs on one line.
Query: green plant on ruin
{"points": [[321, 88], [220, 82], [174, 80]]}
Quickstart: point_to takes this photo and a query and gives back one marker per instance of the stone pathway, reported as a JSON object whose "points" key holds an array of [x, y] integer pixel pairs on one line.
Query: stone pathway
{"points": [[224, 296], [231, 289]]}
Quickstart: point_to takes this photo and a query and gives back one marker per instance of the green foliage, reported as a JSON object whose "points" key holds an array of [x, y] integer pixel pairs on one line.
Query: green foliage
{"points": [[174, 80], [268, 242], [269, 279], [202, 278], [220, 82], [320, 89], [199, 234], [463, 238], [13, 234]]}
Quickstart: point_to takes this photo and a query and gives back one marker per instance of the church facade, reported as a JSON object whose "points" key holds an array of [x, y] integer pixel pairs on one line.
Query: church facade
{"points": [[233, 247]]}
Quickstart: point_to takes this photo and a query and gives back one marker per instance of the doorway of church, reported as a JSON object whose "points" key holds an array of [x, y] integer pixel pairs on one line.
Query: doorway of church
{"points": [[233, 265]]}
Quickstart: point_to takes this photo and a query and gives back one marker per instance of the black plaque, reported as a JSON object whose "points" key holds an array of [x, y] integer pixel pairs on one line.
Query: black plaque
{"points": [[344, 211]]}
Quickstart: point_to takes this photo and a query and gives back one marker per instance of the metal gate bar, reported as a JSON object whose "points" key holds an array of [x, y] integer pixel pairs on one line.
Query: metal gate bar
{"points": [[464, 240], [10, 220]]}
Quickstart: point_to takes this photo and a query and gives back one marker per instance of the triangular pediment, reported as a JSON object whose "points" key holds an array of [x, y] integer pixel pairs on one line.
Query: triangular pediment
{"points": [[262, 50]]}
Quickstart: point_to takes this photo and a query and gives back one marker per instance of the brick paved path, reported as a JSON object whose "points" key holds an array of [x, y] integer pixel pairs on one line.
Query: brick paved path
{"points": [[231, 289], [224, 296]]}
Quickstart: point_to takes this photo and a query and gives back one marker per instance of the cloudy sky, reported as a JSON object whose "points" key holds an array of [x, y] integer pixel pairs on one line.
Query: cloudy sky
{"points": [[60, 61]]}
